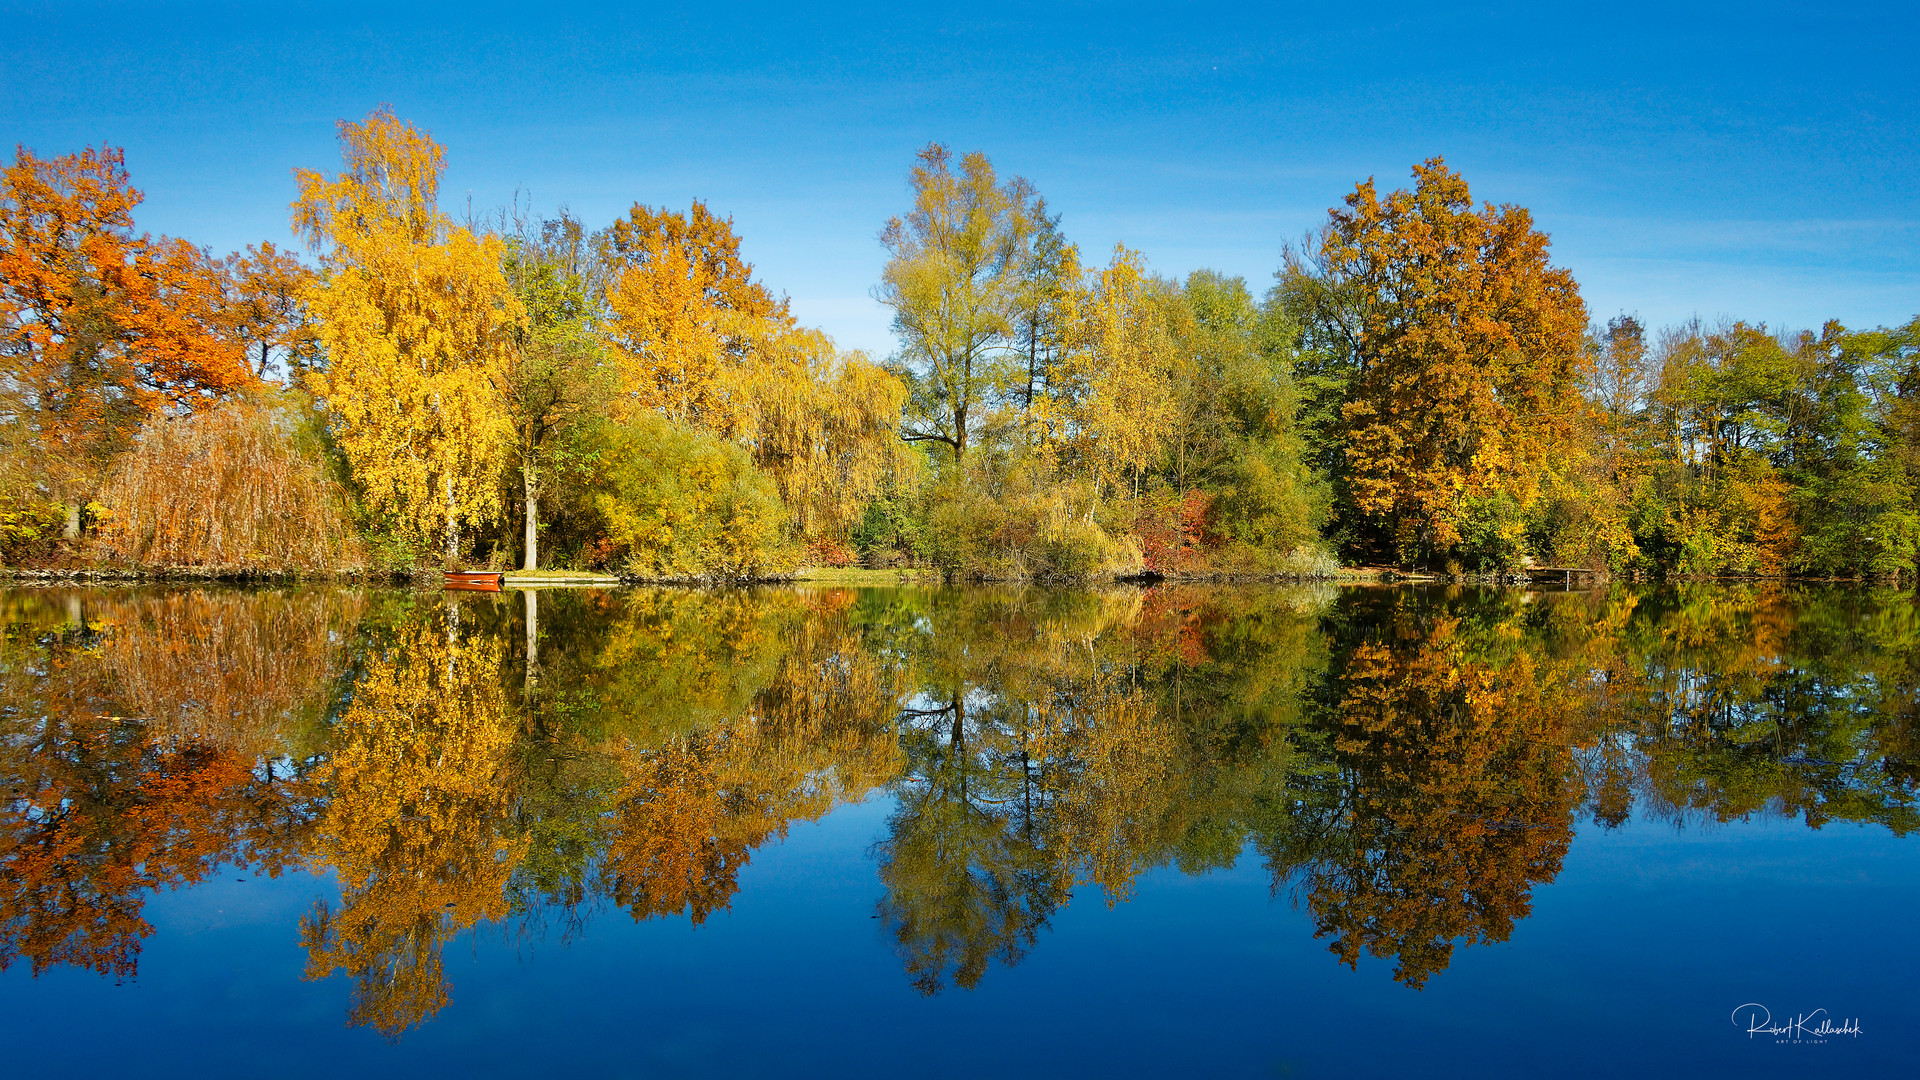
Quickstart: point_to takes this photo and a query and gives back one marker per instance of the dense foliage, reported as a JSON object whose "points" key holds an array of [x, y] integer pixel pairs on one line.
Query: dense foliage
{"points": [[1420, 387]]}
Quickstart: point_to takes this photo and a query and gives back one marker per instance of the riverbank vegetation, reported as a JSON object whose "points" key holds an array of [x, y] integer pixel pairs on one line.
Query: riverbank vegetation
{"points": [[1420, 386]]}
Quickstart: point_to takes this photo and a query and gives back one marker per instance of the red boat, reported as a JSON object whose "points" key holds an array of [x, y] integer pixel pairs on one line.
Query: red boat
{"points": [[475, 580]]}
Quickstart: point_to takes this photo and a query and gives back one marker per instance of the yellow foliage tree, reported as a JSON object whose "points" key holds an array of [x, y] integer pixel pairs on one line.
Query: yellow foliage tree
{"points": [[415, 318], [418, 827], [698, 341], [823, 427], [956, 280], [685, 309], [1114, 392]]}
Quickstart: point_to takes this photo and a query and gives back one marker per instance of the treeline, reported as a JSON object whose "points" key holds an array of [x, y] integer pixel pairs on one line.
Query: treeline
{"points": [[426, 391], [1419, 387]]}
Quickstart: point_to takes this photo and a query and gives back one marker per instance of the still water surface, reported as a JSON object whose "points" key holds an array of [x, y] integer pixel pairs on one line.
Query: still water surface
{"points": [[1185, 831]]}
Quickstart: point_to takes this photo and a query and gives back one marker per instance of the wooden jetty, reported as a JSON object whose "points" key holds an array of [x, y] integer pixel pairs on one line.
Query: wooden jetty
{"points": [[1565, 575]]}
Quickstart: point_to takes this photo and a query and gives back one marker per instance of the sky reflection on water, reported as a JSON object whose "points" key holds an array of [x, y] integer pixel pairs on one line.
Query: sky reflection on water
{"points": [[837, 833]]}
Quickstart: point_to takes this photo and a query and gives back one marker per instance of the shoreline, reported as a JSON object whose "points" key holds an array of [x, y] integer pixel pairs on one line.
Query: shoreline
{"points": [[859, 577]]}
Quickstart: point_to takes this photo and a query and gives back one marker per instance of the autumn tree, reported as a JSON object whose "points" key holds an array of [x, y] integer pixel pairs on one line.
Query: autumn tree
{"points": [[553, 375], [266, 314], [1452, 348], [1620, 379], [957, 273], [418, 324], [682, 503], [698, 341], [100, 327], [1113, 391], [823, 427], [1049, 277], [1716, 498], [684, 312], [243, 488]]}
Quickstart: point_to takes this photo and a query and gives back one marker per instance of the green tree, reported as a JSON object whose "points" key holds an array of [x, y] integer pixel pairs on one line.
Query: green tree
{"points": [[956, 277], [554, 375]]}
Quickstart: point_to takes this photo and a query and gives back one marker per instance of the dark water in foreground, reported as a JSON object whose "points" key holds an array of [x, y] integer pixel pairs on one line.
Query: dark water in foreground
{"points": [[1192, 832]]}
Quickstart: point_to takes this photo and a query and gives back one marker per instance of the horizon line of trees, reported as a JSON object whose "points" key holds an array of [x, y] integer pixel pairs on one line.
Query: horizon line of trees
{"points": [[1420, 386]]}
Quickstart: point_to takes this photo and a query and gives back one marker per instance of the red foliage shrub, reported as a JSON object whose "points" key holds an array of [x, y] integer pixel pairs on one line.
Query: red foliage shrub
{"points": [[1176, 536], [829, 552]]}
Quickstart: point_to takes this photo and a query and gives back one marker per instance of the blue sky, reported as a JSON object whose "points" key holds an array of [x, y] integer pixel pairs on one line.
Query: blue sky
{"points": [[1754, 160]]}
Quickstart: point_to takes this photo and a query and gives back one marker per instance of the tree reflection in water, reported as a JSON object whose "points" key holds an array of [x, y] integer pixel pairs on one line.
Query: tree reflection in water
{"points": [[1410, 764], [131, 763]]}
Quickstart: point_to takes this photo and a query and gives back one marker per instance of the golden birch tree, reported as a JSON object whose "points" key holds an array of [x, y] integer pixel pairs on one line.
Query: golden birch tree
{"points": [[416, 320], [1114, 389]]}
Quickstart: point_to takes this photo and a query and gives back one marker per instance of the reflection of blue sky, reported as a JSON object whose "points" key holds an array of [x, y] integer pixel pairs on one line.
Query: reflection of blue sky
{"points": [[1630, 964], [1756, 160]]}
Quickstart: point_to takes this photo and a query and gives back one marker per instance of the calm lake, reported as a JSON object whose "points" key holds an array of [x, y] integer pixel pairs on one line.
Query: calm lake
{"points": [[1233, 832]]}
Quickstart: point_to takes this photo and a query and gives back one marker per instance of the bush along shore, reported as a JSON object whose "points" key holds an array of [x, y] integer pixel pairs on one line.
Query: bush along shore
{"points": [[1420, 388]]}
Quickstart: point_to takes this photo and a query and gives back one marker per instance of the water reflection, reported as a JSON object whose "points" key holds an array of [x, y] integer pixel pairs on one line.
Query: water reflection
{"points": [[145, 741], [418, 824], [1410, 765]]}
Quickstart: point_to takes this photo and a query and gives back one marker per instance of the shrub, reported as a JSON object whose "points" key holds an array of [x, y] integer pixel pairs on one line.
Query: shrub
{"points": [[682, 503], [1017, 526], [241, 488], [29, 531], [1270, 500]]}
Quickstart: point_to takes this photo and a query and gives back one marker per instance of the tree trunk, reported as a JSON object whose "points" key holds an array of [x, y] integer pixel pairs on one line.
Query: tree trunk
{"points": [[1033, 360], [532, 560], [73, 521], [453, 529], [533, 644]]}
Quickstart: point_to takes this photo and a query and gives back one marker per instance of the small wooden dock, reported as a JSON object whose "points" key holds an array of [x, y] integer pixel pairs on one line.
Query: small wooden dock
{"points": [[1560, 575], [552, 579]]}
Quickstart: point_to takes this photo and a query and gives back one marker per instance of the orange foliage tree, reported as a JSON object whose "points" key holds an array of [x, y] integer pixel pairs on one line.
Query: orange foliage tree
{"points": [[265, 314], [698, 340], [100, 327], [685, 312], [1462, 346]]}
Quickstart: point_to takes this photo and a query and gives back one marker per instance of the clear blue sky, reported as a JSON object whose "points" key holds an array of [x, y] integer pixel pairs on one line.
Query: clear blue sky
{"points": [[1756, 160]]}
